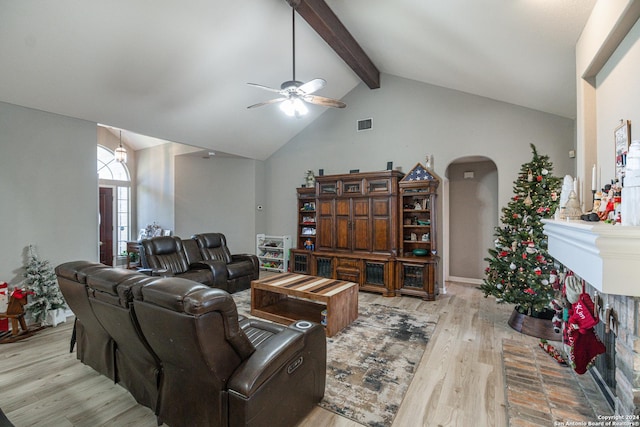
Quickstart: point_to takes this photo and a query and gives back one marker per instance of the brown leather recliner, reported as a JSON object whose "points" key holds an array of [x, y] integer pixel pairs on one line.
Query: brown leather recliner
{"points": [[138, 369], [239, 269], [168, 253], [219, 371], [95, 347]]}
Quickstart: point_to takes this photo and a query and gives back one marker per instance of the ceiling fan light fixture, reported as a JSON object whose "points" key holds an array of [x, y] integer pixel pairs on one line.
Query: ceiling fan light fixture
{"points": [[294, 107], [293, 93]]}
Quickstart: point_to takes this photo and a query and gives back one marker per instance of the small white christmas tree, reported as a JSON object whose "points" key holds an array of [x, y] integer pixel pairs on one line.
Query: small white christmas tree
{"points": [[40, 278]]}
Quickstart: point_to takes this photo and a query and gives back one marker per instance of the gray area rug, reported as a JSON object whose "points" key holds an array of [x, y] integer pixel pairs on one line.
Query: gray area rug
{"points": [[371, 362]]}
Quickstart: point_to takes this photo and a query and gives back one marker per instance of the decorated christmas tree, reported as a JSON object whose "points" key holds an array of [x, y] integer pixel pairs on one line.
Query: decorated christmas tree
{"points": [[40, 279], [520, 270]]}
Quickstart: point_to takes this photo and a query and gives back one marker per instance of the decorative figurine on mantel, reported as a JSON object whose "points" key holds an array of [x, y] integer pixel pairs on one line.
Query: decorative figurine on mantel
{"points": [[428, 163], [572, 209], [567, 188], [311, 179]]}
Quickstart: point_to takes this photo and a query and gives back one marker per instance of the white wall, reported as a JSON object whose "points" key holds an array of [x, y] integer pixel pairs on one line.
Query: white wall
{"points": [[618, 98], [260, 186], [48, 188], [155, 191], [155, 188], [604, 63], [217, 195], [410, 120]]}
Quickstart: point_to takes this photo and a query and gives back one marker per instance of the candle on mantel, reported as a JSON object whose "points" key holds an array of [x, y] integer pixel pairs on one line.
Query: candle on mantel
{"points": [[599, 179], [594, 178]]}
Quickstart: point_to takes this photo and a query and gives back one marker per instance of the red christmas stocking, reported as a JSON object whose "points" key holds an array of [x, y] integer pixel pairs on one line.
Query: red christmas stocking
{"points": [[585, 347], [583, 313]]}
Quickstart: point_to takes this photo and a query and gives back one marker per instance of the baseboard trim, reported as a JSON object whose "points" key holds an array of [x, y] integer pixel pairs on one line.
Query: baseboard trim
{"points": [[465, 280]]}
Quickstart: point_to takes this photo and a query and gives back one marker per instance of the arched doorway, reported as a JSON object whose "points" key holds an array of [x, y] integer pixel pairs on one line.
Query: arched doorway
{"points": [[472, 215]]}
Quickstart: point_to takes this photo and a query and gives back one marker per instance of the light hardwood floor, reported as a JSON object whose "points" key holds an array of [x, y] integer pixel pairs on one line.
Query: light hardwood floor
{"points": [[459, 381]]}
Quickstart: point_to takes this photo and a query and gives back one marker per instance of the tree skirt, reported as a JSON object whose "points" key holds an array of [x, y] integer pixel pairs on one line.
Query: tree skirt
{"points": [[371, 362], [535, 326]]}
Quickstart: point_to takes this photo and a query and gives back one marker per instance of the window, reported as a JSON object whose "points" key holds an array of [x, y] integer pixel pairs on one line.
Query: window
{"points": [[115, 174], [109, 169]]}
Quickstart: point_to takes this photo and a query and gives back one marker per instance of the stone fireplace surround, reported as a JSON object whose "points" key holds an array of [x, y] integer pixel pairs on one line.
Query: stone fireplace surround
{"points": [[607, 257]]}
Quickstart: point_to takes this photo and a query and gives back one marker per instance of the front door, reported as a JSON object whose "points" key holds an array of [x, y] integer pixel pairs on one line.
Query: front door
{"points": [[106, 225]]}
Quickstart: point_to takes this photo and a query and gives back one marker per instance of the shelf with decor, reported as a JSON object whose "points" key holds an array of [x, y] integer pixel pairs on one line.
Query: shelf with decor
{"points": [[418, 260], [306, 218], [273, 252], [306, 238]]}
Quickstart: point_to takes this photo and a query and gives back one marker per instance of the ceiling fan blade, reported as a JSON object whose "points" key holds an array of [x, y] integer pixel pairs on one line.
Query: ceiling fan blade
{"points": [[312, 86], [271, 101], [325, 102], [270, 89]]}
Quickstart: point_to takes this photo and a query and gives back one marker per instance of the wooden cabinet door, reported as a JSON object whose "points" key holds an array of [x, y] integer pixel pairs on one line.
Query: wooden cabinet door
{"points": [[352, 224], [343, 224], [381, 229], [325, 224], [356, 224], [360, 226]]}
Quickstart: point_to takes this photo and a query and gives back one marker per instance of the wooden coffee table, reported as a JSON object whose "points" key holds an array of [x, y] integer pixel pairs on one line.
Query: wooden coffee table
{"points": [[287, 297]]}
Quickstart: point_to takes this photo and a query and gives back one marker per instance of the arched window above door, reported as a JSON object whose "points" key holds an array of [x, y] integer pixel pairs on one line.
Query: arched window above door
{"points": [[108, 168]]}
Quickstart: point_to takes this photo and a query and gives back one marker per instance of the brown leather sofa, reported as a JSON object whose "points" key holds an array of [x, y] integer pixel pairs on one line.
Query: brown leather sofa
{"points": [[238, 269], [95, 347], [220, 371], [137, 367], [205, 258], [106, 332], [181, 349]]}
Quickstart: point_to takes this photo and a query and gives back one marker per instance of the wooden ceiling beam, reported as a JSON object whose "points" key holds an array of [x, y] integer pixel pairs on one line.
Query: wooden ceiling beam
{"points": [[322, 19]]}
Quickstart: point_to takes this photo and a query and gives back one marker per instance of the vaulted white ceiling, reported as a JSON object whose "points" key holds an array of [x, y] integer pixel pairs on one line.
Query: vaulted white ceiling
{"points": [[177, 71]]}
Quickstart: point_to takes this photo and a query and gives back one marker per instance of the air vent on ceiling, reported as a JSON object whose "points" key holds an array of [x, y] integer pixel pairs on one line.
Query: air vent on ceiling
{"points": [[365, 124]]}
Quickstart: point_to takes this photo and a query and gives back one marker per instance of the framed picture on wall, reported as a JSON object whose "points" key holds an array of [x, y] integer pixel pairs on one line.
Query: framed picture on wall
{"points": [[622, 137]]}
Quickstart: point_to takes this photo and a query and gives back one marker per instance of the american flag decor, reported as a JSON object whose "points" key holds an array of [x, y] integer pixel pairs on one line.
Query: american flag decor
{"points": [[418, 173]]}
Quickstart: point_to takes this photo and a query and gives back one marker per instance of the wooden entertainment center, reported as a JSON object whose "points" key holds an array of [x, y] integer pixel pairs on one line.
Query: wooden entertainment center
{"points": [[377, 229]]}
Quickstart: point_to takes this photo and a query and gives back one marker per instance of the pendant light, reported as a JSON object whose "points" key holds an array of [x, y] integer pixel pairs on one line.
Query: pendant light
{"points": [[120, 154]]}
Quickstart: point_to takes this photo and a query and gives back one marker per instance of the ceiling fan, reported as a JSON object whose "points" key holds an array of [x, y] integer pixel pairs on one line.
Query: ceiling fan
{"points": [[294, 94]]}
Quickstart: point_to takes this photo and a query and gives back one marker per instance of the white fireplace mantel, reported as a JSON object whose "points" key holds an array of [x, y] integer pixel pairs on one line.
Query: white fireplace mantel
{"points": [[607, 256]]}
